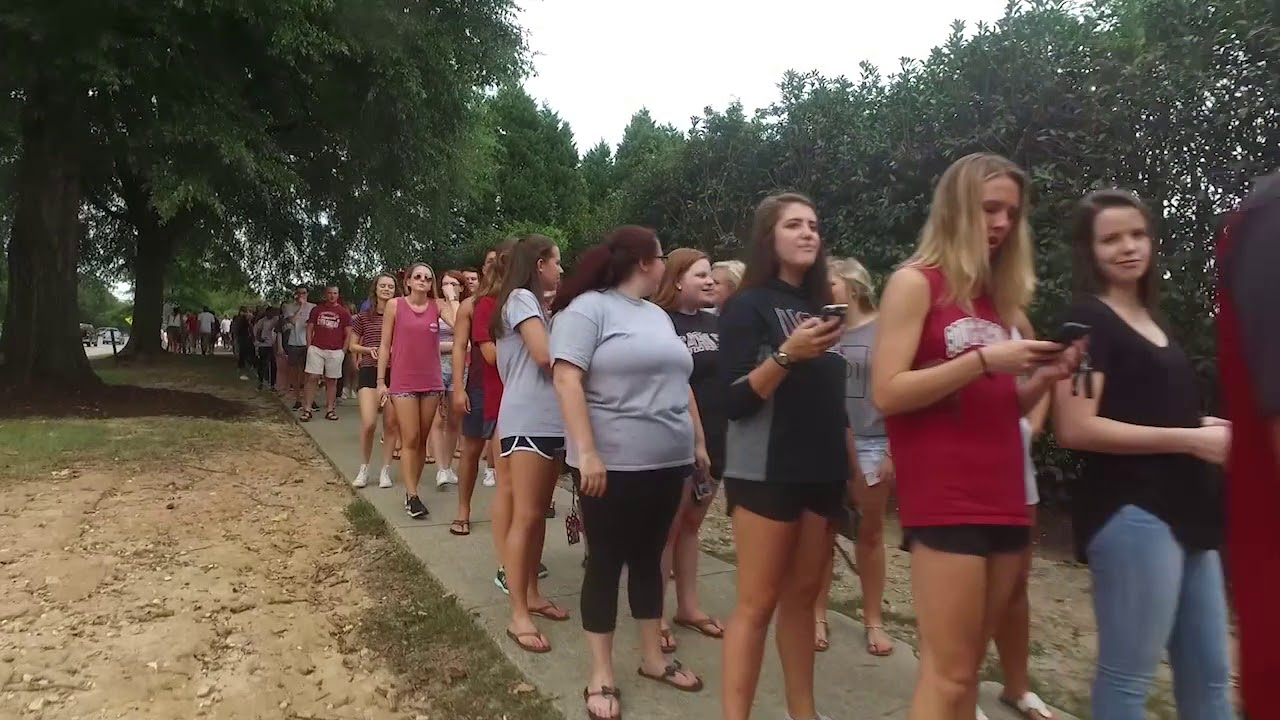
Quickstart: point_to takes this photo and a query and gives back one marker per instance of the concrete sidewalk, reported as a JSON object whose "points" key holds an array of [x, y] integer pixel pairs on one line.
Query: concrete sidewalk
{"points": [[852, 685]]}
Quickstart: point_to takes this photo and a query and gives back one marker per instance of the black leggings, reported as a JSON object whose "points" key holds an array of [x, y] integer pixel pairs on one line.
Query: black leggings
{"points": [[266, 367], [628, 526]]}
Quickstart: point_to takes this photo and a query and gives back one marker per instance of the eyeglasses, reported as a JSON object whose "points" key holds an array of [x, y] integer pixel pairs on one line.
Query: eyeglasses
{"points": [[428, 278]]}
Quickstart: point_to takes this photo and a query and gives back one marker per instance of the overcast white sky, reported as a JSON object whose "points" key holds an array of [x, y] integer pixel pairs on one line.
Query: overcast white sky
{"points": [[599, 61]]}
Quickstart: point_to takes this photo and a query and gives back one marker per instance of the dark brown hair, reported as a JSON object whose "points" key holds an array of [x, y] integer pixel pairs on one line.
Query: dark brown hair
{"points": [[492, 280], [608, 264], [1086, 276], [521, 272], [762, 258], [373, 288], [679, 261]]}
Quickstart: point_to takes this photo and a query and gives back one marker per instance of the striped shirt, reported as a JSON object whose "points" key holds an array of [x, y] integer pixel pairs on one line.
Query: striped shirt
{"points": [[368, 329]]}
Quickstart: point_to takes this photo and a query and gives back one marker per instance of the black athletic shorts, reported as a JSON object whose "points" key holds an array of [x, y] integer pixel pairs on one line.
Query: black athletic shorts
{"points": [[367, 377], [547, 447], [473, 423], [979, 540], [296, 355], [785, 502]]}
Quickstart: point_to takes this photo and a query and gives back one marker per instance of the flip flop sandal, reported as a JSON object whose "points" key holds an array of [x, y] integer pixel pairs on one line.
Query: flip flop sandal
{"points": [[668, 641], [606, 692], [395, 454], [1028, 704], [457, 454], [546, 612], [460, 527], [668, 675], [304, 416], [516, 638], [822, 644], [871, 646], [707, 626], [430, 460], [331, 415]]}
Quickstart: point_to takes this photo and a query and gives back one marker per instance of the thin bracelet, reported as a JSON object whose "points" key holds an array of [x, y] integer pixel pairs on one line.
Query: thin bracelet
{"points": [[983, 359]]}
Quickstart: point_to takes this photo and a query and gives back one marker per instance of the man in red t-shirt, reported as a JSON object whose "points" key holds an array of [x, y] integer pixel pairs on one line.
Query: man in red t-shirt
{"points": [[1249, 363], [326, 338]]}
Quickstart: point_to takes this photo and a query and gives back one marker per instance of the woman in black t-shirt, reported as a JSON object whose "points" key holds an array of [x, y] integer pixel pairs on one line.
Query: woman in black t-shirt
{"points": [[1147, 508], [686, 291]]}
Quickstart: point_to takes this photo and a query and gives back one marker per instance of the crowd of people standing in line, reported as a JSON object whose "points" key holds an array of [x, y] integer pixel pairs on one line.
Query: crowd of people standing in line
{"points": [[656, 377]]}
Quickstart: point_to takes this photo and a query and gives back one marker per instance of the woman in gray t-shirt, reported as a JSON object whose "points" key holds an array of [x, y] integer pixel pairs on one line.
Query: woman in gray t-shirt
{"points": [[530, 430], [622, 377]]}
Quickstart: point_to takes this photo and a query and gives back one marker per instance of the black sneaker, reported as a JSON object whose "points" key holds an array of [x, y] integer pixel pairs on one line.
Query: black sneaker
{"points": [[416, 508], [543, 572], [315, 407], [551, 512], [297, 404]]}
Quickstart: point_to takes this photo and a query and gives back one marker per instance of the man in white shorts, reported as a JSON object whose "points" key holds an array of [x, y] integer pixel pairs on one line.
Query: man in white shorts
{"points": [[326, 338]]}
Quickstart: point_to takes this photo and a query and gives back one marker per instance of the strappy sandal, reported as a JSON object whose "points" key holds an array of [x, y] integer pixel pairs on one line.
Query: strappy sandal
{"points": [[605, 692], [546, 612], [821, 644], [516, 638], [668, 675], [707, 626], [430, 460], [395, 454], [667, 641], [331, 415], [304, 416], [872, 647], [460, 527]]}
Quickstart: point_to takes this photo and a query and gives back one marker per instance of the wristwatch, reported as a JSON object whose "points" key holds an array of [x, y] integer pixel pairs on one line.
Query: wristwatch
{"points": [[783, 359]]}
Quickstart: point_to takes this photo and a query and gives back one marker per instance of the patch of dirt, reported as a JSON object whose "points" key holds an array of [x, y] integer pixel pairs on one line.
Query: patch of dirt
{"points": [[228, 590], [102, 401]]}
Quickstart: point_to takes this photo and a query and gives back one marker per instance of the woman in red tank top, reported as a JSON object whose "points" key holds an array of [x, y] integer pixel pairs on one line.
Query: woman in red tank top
{"points": [[411, 332], [944, 374]]}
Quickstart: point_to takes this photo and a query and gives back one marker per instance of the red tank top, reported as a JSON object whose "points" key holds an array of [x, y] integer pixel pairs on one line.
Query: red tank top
{"points": [[959, 461], [415, 349], [485, 307]]}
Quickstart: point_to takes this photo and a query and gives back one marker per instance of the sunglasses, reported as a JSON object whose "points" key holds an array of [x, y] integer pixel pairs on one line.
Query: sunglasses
{"points": [[421, 277]]}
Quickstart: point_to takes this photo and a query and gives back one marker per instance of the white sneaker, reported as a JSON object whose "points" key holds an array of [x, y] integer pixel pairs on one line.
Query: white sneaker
{"points": [[453, 476], [362, 477], [490, 479], [442, 478], [384, 478]]}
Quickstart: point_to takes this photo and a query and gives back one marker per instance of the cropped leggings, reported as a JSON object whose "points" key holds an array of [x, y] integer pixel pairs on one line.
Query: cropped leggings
{"points": [[628, 526]]}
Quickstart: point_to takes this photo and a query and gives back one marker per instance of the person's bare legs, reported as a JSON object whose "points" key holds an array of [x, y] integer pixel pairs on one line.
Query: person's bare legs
{"points": [[870, 555], [794, 623], [309, 391], [531, 486], [390, 431], [445, 433], [684, 559], [765, 548], [1013, 631], [468, 471], [500, 512], [821, 634], [368, 398], [409, 420], [331, 394], [602, 674]]}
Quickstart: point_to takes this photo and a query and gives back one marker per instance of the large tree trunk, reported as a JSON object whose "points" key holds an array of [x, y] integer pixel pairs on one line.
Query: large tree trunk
{"points": [[156, 240], [41, 338]]}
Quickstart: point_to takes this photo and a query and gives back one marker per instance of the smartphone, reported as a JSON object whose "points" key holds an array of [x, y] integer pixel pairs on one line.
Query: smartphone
{"points": [[1069, 332], [835, 311]]}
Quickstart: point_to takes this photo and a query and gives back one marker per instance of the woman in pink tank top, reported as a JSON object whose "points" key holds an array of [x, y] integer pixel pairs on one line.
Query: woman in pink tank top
{"points": [[943, 372], [411, 332]]}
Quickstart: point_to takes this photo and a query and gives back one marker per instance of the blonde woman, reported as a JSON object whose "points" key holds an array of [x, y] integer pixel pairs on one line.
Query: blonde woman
{"points": [[726, 276], [851, 285], [944, 373]]}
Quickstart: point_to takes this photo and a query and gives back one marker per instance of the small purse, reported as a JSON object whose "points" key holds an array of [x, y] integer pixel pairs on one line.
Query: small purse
{"points": [[573, 519]]}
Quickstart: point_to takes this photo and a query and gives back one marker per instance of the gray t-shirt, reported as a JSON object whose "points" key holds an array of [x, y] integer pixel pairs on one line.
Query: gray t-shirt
{"points": [[637, 380], [855, 348], [529, 405], [298, 323]]}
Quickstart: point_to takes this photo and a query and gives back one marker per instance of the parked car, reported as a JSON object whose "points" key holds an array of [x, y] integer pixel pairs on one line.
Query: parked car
{"points": [[104, 335], [88, 335]]}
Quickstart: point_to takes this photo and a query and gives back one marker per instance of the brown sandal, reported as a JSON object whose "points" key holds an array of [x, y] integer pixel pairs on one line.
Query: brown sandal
{"points": [[707, 626], [667, 641], [516, 638], [667, 677], [872, 648], [821, 644], [545, 612], [460, 528], [606, 692]]}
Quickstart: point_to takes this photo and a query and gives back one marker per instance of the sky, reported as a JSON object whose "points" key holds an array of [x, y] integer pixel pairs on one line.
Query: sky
{"points": [[599, 61]]}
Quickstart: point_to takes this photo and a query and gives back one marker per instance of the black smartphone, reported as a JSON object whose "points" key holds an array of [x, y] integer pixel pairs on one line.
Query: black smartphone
{"points": [[1069, 332], [835, 311]]}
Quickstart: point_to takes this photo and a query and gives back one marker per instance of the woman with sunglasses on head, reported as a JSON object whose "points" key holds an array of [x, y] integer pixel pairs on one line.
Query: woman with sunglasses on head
{"points": [[1147, 510], [530, 429], [622, 378], [944, 372], [364, 338], [686, 292], [411, 331], [787, 460], [444, 433], [851, 286]]}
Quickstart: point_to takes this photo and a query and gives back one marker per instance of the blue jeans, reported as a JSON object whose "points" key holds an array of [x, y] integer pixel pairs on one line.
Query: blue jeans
{"points": [[1149, 595]]}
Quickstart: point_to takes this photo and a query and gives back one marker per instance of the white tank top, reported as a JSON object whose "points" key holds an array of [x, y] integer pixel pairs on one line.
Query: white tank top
{"points": [[1029, 467]]}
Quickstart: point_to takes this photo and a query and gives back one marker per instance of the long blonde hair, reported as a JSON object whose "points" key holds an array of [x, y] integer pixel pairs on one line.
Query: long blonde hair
{"points": [[954, 238], [857, 281]]}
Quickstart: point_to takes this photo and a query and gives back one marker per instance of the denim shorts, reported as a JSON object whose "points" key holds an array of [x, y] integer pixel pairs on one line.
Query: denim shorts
{"points": [[446, 370], [871, 452], [418, 394]]}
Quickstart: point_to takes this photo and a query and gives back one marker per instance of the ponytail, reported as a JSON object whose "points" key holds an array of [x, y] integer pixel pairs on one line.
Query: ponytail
{"points": [[608, 264]]}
